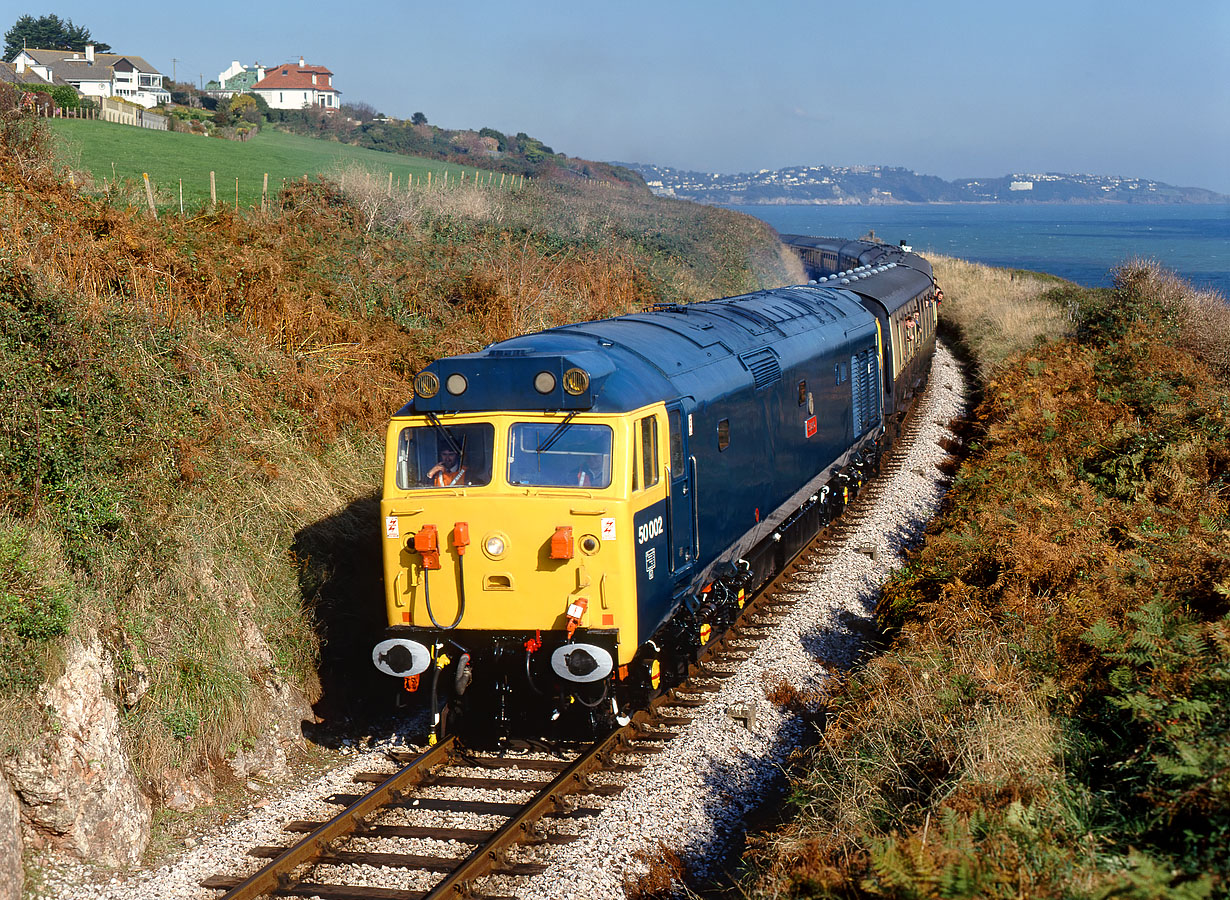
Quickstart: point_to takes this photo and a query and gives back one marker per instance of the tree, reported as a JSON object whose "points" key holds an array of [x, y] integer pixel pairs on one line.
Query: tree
{"points": [[363, 112], [418, 119], [48, 32], [244, 106], [500, 138]]}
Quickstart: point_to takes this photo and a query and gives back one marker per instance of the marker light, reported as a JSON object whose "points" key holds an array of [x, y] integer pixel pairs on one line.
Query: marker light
{"points": [[544, 382], [494, 545], [456, 384], [576, 381], [427, 384]]}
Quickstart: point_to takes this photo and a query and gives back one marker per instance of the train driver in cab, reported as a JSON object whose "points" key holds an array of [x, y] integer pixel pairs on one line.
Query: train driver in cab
{"points": [[448, 472], [589, 472]]}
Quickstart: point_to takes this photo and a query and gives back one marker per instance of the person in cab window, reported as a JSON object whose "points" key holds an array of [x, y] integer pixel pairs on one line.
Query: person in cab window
{"points": [[587, 471], [448, 472]]}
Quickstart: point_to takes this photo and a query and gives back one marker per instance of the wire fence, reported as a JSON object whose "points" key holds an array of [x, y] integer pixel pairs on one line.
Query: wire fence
{"points": [[393, 188]]}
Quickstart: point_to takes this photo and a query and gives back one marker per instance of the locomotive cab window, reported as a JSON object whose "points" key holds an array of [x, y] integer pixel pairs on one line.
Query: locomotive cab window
{"points": [[676, 427], [559, 454], [723, 434], [447, 456], [648, 430], [802, 393]]}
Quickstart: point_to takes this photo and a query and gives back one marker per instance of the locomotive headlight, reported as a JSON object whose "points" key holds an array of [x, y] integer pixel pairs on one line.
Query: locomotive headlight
{"points": [[495, 545], [456, 384], [576, 381], [544, 382], [427, 384]]}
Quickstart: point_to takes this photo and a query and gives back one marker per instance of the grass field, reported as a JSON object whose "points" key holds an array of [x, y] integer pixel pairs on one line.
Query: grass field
{"points": [[111, 152]]}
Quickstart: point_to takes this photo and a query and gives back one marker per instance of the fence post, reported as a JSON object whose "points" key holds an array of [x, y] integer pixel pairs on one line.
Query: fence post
{"points": [[236, 193], [181, 196], [265, 192], [149, 195], [390, 190], [213, 192]]}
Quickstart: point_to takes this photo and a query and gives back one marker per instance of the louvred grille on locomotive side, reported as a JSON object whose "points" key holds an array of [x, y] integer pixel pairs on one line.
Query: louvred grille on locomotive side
{"points": [[763, 365]]}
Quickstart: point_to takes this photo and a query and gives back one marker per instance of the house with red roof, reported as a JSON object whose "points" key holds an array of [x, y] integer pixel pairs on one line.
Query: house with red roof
{"points": [[291, 86]]}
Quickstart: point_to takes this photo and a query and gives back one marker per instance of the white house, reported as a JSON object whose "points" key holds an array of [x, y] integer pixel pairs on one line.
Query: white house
{"points": [[300, 86], [97, 74], [236, 79]]}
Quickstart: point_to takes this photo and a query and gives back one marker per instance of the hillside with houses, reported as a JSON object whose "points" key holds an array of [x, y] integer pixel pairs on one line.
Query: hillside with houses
{"points": [[62, 71]]}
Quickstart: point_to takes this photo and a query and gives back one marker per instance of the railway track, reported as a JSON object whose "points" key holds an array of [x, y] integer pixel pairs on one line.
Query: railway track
{"points": [[527, 798]]}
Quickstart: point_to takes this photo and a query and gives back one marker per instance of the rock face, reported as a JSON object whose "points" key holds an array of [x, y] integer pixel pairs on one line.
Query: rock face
{"points": [[77, 789], [11, 873]]}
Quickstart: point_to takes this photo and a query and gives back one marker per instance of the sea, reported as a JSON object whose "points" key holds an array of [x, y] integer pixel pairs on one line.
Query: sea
{"points": [[1079, 242]]}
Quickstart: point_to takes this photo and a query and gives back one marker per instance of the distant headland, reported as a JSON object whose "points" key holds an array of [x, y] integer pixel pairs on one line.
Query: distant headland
{"points": [[893, 184]]}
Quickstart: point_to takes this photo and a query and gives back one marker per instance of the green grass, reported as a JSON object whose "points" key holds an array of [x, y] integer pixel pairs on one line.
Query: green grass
{"points": [[111, 151]]}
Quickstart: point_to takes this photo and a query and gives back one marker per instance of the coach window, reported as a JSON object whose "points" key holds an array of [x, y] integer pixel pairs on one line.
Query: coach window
{"points": [[723, 434]]}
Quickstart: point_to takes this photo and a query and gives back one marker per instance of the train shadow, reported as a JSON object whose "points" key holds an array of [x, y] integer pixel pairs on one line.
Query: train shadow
{"points": [[341, 583]]}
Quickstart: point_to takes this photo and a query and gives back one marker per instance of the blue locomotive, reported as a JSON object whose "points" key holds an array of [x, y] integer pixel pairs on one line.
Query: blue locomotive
{"points": [[570, 516]]}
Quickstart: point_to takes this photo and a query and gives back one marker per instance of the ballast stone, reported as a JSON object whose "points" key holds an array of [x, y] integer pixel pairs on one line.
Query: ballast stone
{"points": [[78, 789]]}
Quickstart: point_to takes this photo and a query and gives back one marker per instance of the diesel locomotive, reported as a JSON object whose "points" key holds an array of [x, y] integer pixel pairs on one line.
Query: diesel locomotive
{"points": [[569, 516]]}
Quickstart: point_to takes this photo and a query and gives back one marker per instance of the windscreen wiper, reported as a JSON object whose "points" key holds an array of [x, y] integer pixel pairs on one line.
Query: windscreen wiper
{"points": [[435, 423], [557, 433]]}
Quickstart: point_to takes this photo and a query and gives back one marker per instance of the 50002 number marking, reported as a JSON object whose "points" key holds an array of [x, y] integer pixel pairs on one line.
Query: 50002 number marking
{"points": [[649, 530]]}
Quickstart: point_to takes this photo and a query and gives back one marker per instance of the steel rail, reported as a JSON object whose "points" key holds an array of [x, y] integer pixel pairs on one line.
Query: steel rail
{"points": [[276, 874], [517, 829]]}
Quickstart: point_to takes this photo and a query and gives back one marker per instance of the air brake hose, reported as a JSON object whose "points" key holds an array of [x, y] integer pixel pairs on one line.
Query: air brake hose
{"points": [[461, 599]]}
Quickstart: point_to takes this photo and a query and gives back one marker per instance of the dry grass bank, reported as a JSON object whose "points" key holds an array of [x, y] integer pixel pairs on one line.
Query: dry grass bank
{"points": [[999, 312]]}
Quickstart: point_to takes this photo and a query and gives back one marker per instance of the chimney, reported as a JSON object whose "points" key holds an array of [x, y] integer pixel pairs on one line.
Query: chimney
{"points": [[301, 62], [89, 53]]}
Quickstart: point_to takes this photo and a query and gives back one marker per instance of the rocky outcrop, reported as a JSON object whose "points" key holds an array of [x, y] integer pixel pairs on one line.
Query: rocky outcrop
{"points": [[286, 708], [77, 788], [11, 873]]}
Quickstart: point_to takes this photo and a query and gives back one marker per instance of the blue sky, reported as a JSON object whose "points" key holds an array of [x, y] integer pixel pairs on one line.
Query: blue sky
{"points": [[945, 88]]}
